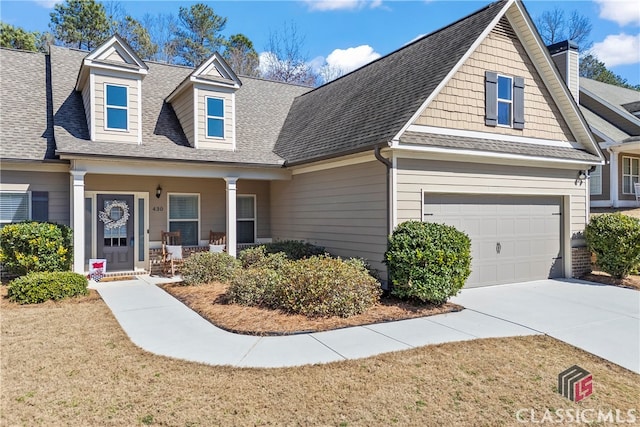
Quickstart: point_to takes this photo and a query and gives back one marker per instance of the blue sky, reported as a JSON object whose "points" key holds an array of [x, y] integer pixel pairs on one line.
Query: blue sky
{"points": [[348, 33]]}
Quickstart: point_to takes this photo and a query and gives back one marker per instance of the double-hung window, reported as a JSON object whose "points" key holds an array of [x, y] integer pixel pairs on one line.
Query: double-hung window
{"points": [[595, 181], [116, 107], [215, 117], [246, 218], [505, 100], [184, 216], [23, 206], [630, 174]]}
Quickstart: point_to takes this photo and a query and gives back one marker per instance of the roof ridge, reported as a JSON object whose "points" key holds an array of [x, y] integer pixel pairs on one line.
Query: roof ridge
{"points": [[11, 49], [409, 44]]}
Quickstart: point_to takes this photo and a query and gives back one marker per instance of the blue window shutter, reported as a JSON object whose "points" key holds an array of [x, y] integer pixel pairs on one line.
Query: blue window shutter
{"points": [[518, 103], [491, 98], [40, 206]]}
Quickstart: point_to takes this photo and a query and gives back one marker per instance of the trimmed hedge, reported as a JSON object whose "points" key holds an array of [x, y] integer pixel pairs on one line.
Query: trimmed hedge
{"points": [[294, 249], [35, 246], [257, 257], [255, 287], [323, 286], [38, 287], [615, 239], [207, 267], [428, 262]]}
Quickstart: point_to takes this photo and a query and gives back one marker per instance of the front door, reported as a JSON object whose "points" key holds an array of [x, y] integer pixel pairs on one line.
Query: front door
{"points": [[116, 241]]}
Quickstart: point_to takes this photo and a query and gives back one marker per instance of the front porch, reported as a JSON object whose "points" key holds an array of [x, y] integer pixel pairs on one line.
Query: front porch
{"points": [[118, 213]]}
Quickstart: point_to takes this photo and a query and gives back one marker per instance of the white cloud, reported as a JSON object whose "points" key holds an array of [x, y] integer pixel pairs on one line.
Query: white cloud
{"points": [[323, 5], [47, 4], [351, 58], [622, 12], [618, 49]]}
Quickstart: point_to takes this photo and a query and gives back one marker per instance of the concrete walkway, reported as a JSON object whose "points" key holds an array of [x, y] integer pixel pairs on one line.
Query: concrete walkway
{"points": [[603, 320]]}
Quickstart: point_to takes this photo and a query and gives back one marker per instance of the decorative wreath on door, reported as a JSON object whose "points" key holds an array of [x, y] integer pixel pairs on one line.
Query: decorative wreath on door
{"points": [[105, 215]]}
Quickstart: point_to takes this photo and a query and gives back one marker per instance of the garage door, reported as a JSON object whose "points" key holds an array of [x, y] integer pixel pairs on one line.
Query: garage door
{"points": [[513, 238]]}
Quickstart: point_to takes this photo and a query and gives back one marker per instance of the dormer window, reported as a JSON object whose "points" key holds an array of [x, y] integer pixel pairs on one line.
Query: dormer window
{"points": [[116, 107], [215, 117], [505, 100]]}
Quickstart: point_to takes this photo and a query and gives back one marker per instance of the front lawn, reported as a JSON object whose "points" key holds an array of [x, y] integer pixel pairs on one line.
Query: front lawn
{"points": [[69, 363]]}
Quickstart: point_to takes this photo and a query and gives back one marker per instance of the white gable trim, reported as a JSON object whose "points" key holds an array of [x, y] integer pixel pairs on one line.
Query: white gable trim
{"points": [[117, 43], [455, 69], [217, 62]]}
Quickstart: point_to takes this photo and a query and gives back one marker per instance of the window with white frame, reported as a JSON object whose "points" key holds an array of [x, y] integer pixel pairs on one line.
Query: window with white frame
{"points": [[215, 117], [630, 174], [116, 106], [246, 218], [184, 216], [595, 181], [505, 100], [23, 206]]}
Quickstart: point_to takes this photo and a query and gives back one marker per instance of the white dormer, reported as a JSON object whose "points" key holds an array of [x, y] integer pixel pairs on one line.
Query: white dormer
{"points": [[110, 81], [205, 105]]}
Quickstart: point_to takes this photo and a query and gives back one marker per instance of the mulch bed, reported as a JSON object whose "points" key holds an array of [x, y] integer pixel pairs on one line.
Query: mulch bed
{"points": [[209, 301], [632, 282]]}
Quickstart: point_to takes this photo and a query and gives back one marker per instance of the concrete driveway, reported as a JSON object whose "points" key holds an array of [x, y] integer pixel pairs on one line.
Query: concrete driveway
{"points": [[603, 320]]}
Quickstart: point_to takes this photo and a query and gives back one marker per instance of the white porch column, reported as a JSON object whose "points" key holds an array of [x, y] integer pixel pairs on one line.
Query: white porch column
{"points": [[231, 216], [77, 219], [613, 177]]}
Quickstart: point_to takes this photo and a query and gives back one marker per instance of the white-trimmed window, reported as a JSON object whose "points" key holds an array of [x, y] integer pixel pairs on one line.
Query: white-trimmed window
{"points": [[505, 100], [630, 174], [184, 216], [116, 107], [595, 181], [215, 117], [246, 218], [18, 206]]}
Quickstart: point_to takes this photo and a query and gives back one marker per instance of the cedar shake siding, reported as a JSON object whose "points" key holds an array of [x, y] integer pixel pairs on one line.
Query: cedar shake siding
{"points": [[343, 209], [461, 103]]}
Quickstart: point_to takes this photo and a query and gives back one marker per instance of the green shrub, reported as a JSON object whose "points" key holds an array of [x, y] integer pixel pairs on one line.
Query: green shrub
{"points": [[35, 246], [294, 249], [207, 267], [254, 287], [428, 262], [323, 286], [257, 257], [38, 287], [615, 239]]}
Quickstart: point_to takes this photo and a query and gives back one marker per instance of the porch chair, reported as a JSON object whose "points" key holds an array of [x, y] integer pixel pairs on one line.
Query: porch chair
{"points": [[172, 257], [636, 188], [217, 241]]}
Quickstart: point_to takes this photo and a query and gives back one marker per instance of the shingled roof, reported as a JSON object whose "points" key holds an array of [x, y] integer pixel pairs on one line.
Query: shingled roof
{"points": [[369, 106], [26, 127]]}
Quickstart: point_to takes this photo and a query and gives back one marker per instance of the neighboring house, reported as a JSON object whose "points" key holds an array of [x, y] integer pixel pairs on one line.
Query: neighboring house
{"points": [[613, 114], [471, 125]]}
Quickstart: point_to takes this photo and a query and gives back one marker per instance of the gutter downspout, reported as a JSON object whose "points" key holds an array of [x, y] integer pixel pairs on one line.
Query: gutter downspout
{"points": [[389, 166]]}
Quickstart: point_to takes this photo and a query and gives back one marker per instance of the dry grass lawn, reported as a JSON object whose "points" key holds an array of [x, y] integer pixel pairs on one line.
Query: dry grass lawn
{"points": [[70, 364]]}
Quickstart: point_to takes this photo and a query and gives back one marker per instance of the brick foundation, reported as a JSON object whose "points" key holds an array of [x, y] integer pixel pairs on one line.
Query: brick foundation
{"points": [[580, 261]]}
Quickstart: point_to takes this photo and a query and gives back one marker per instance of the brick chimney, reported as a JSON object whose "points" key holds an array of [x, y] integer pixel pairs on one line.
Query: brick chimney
{"points": [[565, 55]]}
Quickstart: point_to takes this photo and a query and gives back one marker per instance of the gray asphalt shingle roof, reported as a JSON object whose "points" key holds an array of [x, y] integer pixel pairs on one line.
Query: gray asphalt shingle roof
{"points": [[369, 106], [494, 146], [26, 131]]}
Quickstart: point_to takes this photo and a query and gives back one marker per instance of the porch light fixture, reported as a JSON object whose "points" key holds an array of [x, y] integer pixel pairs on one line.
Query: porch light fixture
{"points": [[158, 192]]}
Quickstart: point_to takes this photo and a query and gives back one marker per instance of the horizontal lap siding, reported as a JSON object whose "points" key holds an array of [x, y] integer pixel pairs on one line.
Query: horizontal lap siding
{"points": [[183, 107], [343, 209], [225, 143], [57, 184], [415, 176], [102, 134]]}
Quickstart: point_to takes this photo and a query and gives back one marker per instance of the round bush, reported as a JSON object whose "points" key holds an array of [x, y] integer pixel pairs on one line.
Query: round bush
{"points": [[257, 257], [322, 286], [294, 249], [38, 287], [254, 287], [207, 267], [35, 246], [615, 239], [428, 262]]}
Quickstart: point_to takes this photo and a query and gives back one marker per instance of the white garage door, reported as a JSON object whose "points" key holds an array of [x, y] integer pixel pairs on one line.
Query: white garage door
{"points": [[513, 238]]}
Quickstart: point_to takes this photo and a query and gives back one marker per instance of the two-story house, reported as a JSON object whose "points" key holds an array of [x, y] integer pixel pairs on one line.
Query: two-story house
{"points": [[470, 125]]}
